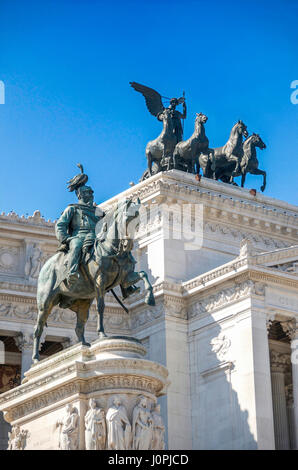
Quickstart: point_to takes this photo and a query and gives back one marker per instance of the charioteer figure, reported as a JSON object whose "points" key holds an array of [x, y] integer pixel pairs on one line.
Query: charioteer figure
{"points": [[75, 228], [176, 116]]}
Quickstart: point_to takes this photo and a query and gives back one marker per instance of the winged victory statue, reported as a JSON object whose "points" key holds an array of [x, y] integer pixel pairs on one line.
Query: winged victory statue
{"points": [[159, 152]]}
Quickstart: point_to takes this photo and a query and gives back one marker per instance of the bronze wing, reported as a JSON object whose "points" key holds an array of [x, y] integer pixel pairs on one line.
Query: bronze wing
{"points": [[152, 97]]}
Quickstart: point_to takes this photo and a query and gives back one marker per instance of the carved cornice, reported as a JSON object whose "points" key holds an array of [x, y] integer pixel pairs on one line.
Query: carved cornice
{"points": [[223, 297], [219, 196], [112, 383], [18, 310], [145, 316], [277, 256], [35, 219]]}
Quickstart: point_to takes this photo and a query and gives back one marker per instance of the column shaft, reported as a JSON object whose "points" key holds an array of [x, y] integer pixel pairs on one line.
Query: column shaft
{"points": [[281, 428]]}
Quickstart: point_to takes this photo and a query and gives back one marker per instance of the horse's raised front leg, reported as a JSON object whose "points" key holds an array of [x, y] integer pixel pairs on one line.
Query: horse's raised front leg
{"points": [[99, 291], [235, 159], [149, 298], [260, 172]]}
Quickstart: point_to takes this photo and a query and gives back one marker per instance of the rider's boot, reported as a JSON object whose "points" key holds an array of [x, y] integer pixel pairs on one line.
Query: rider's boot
{"points": [[127, 291]]}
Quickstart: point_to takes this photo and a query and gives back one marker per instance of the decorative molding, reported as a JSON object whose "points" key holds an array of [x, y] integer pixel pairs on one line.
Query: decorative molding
{"points": [[145, 316], [226, 367], [223, 198], [35, 219], [290, 328], [220, 345], [269, 320], [226, 296], [9, 259], [274, 257]]}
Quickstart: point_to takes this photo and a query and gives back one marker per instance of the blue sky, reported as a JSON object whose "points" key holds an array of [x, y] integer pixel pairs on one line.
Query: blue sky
{"points": [[67, 65]]}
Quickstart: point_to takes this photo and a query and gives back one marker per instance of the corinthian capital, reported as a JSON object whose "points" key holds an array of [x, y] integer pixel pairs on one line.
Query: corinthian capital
{"points": [[290, 328], [280, 362], [24, 341]]}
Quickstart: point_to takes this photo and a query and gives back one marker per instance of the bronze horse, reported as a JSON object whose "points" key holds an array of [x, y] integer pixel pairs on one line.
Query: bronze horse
{"points": [[110, 265], [249, 163], [163, 146], [214, 160], [189, 150]]}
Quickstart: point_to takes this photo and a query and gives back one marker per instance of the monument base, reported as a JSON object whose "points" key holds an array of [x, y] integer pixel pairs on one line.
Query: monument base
{"points": [[98, 397]]}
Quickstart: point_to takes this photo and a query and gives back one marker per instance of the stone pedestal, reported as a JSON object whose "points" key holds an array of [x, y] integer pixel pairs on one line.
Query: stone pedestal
{"points": [[48, 410]]}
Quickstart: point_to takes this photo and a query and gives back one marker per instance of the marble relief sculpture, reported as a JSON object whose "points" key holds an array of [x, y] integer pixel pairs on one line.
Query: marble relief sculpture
{"points": [[33, 262], [69, 429], [115, 431], [158, 442], [142, 425], [95, 427], [17, 438], [118, 426]]}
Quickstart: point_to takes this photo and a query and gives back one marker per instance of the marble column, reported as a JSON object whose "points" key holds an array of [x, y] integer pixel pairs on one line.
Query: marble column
{"points": [[279, 362], [24, 342], [291, 416], [291, 329]]}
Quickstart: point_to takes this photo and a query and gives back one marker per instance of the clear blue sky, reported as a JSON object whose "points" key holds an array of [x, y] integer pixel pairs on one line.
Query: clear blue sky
{"points": [[67, 66]]}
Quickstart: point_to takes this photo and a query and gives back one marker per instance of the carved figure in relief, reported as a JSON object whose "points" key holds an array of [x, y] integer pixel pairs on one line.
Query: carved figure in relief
{"points": [[69, 429], [158, 442], [142, 425], [220, 345], [17, 438], [95, 427], [118, 426], [33, 262]]}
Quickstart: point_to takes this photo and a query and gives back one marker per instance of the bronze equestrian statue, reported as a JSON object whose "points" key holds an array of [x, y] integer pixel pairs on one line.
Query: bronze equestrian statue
{"points": [[89, 263]]}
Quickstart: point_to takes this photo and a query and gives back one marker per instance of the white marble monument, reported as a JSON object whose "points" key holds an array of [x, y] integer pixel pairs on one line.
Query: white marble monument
{"points": [[86, 398], [224, 324]]}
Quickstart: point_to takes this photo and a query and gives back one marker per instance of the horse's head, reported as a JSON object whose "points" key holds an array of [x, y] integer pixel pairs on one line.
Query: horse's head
{"points": [[119, 224], [130, 215], [241, 128], [257, 141], [200, 117]]}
